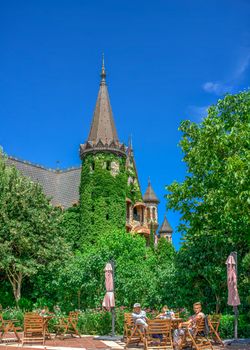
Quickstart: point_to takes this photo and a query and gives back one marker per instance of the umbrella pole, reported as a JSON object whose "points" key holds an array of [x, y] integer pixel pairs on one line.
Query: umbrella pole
{"points": [[236, 312], [113, 309], [236, 322], [113, 321]]}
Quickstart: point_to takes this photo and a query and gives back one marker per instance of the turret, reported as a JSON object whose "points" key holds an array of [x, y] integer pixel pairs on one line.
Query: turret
{"points": [[166, 230], [103, 179], [151, 201]]}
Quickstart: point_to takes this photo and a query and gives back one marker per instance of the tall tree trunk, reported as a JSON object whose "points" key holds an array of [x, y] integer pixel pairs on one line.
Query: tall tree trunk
{"points": [[79, 298], [15, 279]]}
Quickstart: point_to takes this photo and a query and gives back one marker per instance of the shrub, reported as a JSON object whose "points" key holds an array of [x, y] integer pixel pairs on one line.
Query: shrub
{"points": [[226, 328]]}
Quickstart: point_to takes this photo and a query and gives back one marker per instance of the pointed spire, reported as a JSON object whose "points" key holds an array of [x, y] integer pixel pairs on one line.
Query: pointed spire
{"points": [[103, 125], [150, 195], [103, 72], [103, 135], [165, 227], [130, 144]]}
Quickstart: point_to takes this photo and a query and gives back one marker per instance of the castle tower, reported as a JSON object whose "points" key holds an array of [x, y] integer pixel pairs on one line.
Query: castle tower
{"points": [[103, 179], [166, 230], [151, 201]]}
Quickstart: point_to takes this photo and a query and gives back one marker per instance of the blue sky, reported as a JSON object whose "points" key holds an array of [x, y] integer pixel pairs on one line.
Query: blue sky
{"points": [[166, 61]]}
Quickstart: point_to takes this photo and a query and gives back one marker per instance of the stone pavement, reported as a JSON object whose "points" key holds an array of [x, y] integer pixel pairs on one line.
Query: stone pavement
{"points": [[87, 342], [69, 343]]}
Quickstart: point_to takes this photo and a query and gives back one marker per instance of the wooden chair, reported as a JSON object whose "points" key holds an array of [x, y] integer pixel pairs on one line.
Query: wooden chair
{"points": [[214, 323], [197, 337], [68, 325], [158, 335], [33, 329], [132, 333], [176, 314], [9, 326], [128, 326]]}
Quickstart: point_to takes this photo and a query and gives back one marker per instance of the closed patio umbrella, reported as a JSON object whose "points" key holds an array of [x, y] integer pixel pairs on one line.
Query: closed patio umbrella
{"points": [[109, 298], [233, 295]]}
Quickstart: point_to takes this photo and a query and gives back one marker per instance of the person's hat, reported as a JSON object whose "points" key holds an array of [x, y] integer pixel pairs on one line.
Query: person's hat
{"points": [[137, 305]]}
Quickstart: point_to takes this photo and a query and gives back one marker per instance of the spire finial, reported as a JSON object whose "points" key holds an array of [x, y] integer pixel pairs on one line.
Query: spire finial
{"points": [[130, 143], [103, 72], [149, 183]]}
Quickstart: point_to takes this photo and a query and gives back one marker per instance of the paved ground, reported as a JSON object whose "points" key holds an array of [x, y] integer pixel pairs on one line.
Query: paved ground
{"points": [[69, 343], [88, 343]]}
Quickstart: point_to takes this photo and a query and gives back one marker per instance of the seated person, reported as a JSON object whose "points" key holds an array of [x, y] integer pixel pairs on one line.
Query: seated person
{"points": [[139, 316], [179, 334], [165, 313]]}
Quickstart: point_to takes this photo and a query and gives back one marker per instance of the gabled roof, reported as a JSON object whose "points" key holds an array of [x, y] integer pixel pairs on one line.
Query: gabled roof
{"points": [[103, 125], [62, 186], [150, 195], [165, 227]]}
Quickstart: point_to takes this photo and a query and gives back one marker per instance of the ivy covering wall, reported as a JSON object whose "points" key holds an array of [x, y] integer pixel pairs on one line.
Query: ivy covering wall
{"points": [[103, 192], [133, 188]]}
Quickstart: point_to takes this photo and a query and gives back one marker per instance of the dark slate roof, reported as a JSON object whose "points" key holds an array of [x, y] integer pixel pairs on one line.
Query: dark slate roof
{"points": [[165, 227], [103, 125], [62, 186], [150, 195]]}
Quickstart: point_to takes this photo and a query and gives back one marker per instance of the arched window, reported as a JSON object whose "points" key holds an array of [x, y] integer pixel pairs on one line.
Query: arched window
{"points": [[92, 166], [148, 214], [108, 165], [154, 215], [107, 216], [135, 215]]}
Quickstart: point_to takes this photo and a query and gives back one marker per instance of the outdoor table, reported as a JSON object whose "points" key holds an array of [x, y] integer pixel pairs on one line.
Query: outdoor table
{"points": [[46, 320], [175, 322]]}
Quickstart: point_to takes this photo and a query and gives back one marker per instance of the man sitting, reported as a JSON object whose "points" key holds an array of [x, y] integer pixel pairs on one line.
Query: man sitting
{"points": [[139, 316], [179, 334]]}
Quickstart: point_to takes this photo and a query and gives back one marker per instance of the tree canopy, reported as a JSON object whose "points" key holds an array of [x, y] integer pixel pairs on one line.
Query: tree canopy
{"points": [[214, 198], [29, 228]]}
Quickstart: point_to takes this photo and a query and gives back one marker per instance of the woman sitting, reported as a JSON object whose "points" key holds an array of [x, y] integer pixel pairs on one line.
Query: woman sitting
{"points": [[165, 313]]}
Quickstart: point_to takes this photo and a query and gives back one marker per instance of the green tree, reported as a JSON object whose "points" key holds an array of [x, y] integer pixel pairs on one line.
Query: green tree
{"points": [[214, 198], [85, 272], [29, 228]]}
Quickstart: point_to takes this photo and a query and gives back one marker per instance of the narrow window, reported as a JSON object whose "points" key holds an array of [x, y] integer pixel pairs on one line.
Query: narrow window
{"points": [[108, 165], [148, 214], [154, 216], [107, 216], [128, 210], [92, 166]]}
